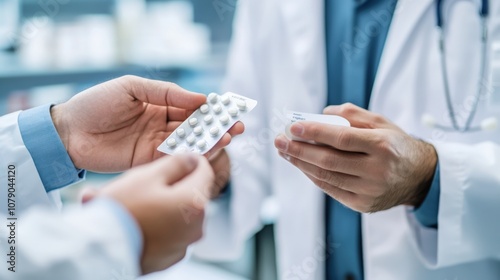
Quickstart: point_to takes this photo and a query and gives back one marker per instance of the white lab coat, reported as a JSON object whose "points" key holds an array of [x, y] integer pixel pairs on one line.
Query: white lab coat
{"points": [[278, 58], [88, 243]]}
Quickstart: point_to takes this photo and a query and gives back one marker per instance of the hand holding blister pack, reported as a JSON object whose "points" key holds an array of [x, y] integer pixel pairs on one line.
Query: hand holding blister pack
{"points": [[294, 117], [205, 127]]}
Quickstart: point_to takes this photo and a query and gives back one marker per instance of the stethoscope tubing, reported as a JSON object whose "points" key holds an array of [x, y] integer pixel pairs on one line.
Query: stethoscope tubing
{"points": [[483, 13]]}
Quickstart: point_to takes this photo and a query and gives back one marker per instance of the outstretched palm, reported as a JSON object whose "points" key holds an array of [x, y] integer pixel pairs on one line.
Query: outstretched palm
{"points": [[119, 124]]}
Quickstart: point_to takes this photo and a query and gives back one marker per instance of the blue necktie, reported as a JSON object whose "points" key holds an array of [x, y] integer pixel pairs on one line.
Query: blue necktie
{"points": [[353, 54]]}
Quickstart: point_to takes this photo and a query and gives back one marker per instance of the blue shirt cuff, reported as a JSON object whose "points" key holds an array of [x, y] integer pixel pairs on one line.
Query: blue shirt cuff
{"points": [[54, 166], [132, 229], [427, 212]]}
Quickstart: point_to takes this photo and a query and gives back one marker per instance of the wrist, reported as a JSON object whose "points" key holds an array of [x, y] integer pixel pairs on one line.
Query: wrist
{"points": [[56, 113]]}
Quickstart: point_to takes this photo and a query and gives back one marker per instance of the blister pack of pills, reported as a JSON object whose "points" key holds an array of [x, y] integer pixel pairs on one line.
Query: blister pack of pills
{"points": [[294, 117], [205, 127]]}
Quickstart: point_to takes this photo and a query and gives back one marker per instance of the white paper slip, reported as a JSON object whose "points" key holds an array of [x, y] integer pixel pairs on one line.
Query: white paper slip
{"points": [[205, 127], [294, 117]]}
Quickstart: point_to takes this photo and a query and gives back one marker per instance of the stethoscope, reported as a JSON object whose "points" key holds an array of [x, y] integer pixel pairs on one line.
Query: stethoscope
{"points": [[487, 124]]}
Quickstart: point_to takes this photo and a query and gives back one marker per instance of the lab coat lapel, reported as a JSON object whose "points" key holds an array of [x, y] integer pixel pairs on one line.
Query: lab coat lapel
{"points": [[305, 29], [406, 18], [304, 22]]}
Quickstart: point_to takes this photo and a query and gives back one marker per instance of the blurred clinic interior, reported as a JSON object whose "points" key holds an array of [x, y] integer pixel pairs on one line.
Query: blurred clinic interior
{"points": [[51, 50]]}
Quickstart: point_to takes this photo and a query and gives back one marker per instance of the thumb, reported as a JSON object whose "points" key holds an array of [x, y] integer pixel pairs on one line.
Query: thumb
{"points": [[88, 194], [358, 117], [162, 93], [174, 168], [197, 186]]}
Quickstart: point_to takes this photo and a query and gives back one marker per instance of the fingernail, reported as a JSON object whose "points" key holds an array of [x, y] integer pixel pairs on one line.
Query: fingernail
{"points": [[297, 129], [281, 143]]}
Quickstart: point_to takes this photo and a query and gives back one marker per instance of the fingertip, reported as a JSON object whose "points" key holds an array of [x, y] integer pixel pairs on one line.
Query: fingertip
{"points": [[203, 161], [191, 160], [180, 97], [188, 160], [281, 143], [227, 139], [297, 129], [87, 195], [200, 98], [195, 101], [239, 128]]}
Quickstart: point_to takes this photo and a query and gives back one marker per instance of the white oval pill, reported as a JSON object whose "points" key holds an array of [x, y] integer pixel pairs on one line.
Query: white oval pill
{"points": [[204, 109], [225, 99], [214, 131], [198, 130], [242, 105], [201, 144], [224, 120], [171, 142], [233, 112], [193, 121], [208, 119], [213, 97], [217, 109], [181, 132], [190, 140]]}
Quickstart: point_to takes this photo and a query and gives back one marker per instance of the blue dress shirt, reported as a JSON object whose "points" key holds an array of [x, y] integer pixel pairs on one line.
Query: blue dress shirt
{"points": [[356, 32], [56, 169]]}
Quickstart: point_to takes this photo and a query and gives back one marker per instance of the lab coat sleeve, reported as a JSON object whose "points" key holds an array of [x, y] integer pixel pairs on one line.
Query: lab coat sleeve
{"points": [[80, 244], [235, 218], [29, 187], [468, 223], [75, 245]]}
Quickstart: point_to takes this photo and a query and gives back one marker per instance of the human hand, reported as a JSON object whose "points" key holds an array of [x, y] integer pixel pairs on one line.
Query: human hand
{"points": [[119, 124], [167, 198], [221, 166], [221, 163], [369, 167]]}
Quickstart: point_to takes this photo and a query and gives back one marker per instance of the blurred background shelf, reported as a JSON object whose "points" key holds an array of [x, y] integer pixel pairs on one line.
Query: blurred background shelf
{"points": [[22, 78], [14, 76], [80, 43], [216, 13], [71, 8]]}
